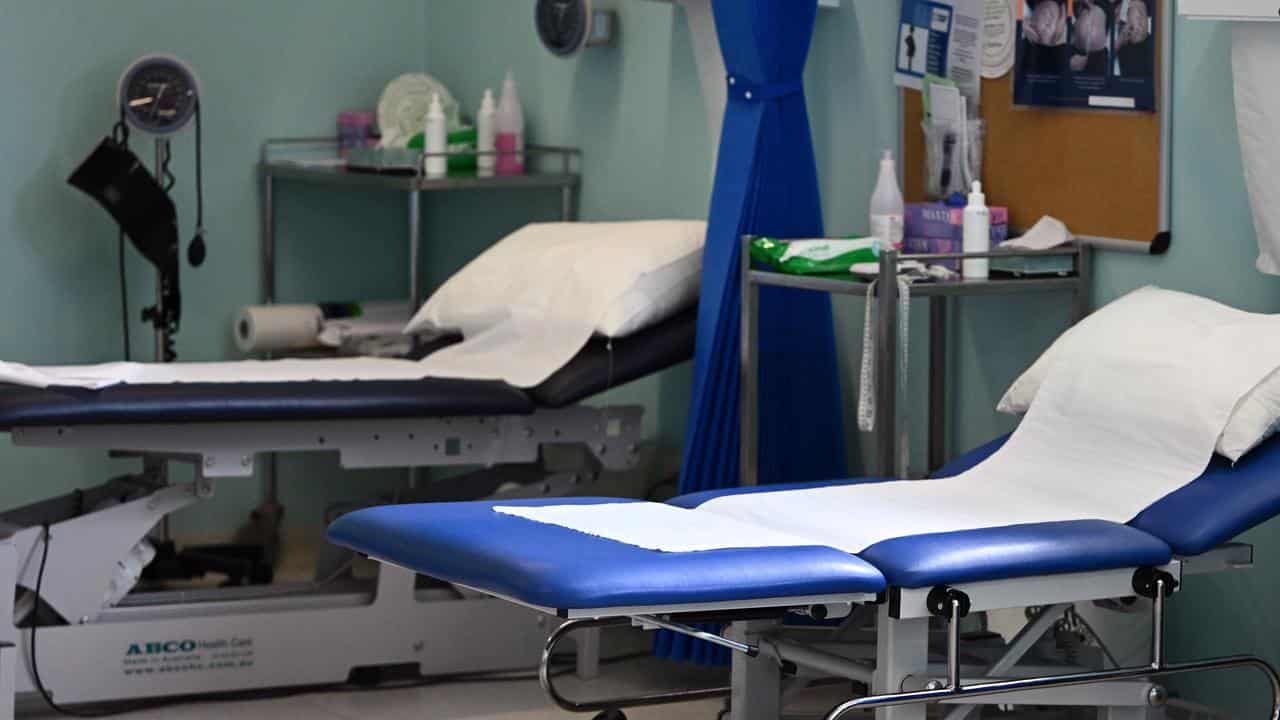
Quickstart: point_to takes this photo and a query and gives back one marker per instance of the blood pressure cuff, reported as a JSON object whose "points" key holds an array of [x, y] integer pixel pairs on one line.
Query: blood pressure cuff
{"points": [[118, 180]]}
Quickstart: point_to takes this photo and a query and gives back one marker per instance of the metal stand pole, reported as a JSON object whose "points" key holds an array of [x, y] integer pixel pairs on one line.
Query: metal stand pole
{"points": [[415, 248], [157, 467], [415, 282], [887, 365], [270, 488], [748, 458], [1084, 289], [162, 332], [937, 383]]}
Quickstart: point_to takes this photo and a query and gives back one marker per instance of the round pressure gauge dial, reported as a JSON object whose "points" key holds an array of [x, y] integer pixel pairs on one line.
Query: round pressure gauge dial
{"points": [[159, 93], [566, 27]]}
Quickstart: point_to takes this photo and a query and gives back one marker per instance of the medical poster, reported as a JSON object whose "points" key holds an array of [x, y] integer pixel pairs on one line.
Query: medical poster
{"points": [[943, 38], [999, 37], [1086, 54]]}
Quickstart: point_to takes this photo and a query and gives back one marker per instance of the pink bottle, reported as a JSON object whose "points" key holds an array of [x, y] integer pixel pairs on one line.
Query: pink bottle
{"points": [[509, 130]]}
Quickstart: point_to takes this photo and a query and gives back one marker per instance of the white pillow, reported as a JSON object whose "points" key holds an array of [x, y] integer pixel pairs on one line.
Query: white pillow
{"points": [[654, 297], [1255, 418], [662, 260]]}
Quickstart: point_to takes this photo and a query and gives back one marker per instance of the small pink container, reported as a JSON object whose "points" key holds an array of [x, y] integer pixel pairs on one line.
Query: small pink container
{"points": [[355, 130]]}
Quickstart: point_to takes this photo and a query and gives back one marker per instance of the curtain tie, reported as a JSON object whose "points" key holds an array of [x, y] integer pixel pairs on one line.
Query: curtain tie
{"points": [[741, 88]]}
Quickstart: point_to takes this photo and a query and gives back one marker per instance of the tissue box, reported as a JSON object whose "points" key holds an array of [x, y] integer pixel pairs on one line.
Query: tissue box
{"points": [[936, 228], [935, 220]]}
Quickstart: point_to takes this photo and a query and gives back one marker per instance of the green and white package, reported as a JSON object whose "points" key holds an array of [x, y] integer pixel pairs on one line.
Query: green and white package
{"points": [[814, 257]]}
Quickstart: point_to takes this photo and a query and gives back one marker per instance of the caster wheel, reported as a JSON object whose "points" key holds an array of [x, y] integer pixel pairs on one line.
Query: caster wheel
{"points": [[611, 715]]}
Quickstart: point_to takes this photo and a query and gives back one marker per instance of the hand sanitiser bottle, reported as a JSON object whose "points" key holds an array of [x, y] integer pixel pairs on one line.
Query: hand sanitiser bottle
{"points": [[486, 136], [887, 206], [509, 123], [977, 234], [435, 140]]}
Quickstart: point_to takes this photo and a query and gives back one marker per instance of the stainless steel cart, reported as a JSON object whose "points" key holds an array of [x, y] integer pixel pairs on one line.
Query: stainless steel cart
{"points": [[891, 456]]}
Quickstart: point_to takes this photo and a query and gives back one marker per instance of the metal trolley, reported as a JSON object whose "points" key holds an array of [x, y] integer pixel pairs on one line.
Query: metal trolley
{"points": [[891, 458]]}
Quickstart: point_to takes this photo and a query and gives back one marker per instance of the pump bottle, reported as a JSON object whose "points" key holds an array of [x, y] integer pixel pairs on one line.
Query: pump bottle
{"points": [[977, 234], [435, 140], [509, 126], [486, 136], [887, 206]]}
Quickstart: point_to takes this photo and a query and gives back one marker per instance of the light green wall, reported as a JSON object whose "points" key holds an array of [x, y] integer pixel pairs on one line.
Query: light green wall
{"points": [[268, 69], [272, 69], [636, 113]]}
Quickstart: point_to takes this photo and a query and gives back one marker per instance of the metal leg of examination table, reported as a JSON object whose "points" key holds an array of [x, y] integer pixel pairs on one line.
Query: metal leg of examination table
{"points": [[756, 681]]}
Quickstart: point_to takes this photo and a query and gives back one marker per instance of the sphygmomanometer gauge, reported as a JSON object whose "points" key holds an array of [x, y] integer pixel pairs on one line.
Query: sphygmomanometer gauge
{"points": [[567, 27], [159, 94]]}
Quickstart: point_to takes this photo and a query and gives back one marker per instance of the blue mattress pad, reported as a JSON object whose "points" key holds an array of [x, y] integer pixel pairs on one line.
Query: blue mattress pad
{"points": [[554, 567], [562, 569]]}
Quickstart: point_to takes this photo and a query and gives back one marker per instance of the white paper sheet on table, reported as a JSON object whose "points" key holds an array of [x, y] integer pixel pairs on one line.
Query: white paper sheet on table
{"points": [[247, 371], [634, 523], [1119, 424]]}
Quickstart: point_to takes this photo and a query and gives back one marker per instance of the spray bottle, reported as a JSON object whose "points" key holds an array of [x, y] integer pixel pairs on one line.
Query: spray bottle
{"points": [[486, 136], [887, 206], [509, 127]]}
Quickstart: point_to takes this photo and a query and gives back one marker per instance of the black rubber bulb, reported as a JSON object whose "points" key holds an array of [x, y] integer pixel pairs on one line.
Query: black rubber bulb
{"points": [[197, 251]]}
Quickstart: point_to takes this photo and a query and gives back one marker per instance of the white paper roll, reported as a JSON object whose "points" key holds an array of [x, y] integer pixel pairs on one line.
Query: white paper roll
{"points": [[278, 328], [1255, 58]]}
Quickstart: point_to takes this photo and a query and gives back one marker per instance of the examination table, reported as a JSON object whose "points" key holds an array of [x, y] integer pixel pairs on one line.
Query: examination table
{"points": [[86, 549]]}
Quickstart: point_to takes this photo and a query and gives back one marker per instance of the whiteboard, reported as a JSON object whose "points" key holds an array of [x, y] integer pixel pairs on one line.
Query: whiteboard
{"points": [[1230, 9]]}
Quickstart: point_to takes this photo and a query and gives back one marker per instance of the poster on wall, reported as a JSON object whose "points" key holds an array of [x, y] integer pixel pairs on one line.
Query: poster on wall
{"points": [[941, 38], [1086, 54]]}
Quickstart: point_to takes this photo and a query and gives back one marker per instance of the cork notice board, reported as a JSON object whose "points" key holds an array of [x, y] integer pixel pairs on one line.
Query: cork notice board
{"points": [[1096, 170]]}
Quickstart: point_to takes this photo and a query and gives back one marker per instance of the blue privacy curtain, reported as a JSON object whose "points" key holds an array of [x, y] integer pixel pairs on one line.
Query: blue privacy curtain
{"points": [[766, 184]]}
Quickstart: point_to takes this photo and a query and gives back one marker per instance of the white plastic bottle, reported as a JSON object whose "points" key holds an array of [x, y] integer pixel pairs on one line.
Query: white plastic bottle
{"points": [[887, 206], [486, 136], [977, 234], [434, 140], [509, 127]]}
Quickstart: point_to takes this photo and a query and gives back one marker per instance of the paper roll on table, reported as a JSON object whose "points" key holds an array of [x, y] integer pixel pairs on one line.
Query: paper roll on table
{"points": [[294, 328]]}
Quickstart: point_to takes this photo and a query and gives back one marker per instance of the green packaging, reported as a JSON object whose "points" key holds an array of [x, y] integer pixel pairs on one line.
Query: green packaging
{"points": [[461, 148], [814, 257]]}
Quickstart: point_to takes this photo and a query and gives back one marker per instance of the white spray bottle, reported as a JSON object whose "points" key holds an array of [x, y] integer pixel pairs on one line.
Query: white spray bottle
{"points": [[435, 140], [486, 136], [888, 209], [977, 234], [509, 125]]}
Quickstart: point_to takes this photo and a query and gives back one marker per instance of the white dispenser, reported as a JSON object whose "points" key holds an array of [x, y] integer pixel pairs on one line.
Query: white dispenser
{"points": [[435, 140], [887, 206], [486, 136], [977, 234]]}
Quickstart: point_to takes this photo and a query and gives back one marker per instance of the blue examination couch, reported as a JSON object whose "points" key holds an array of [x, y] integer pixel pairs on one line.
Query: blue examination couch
{"points": [[576, 575]]}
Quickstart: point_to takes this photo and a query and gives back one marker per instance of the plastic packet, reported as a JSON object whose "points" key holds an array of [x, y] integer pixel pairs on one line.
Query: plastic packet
{"points": [[814, 257]]}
